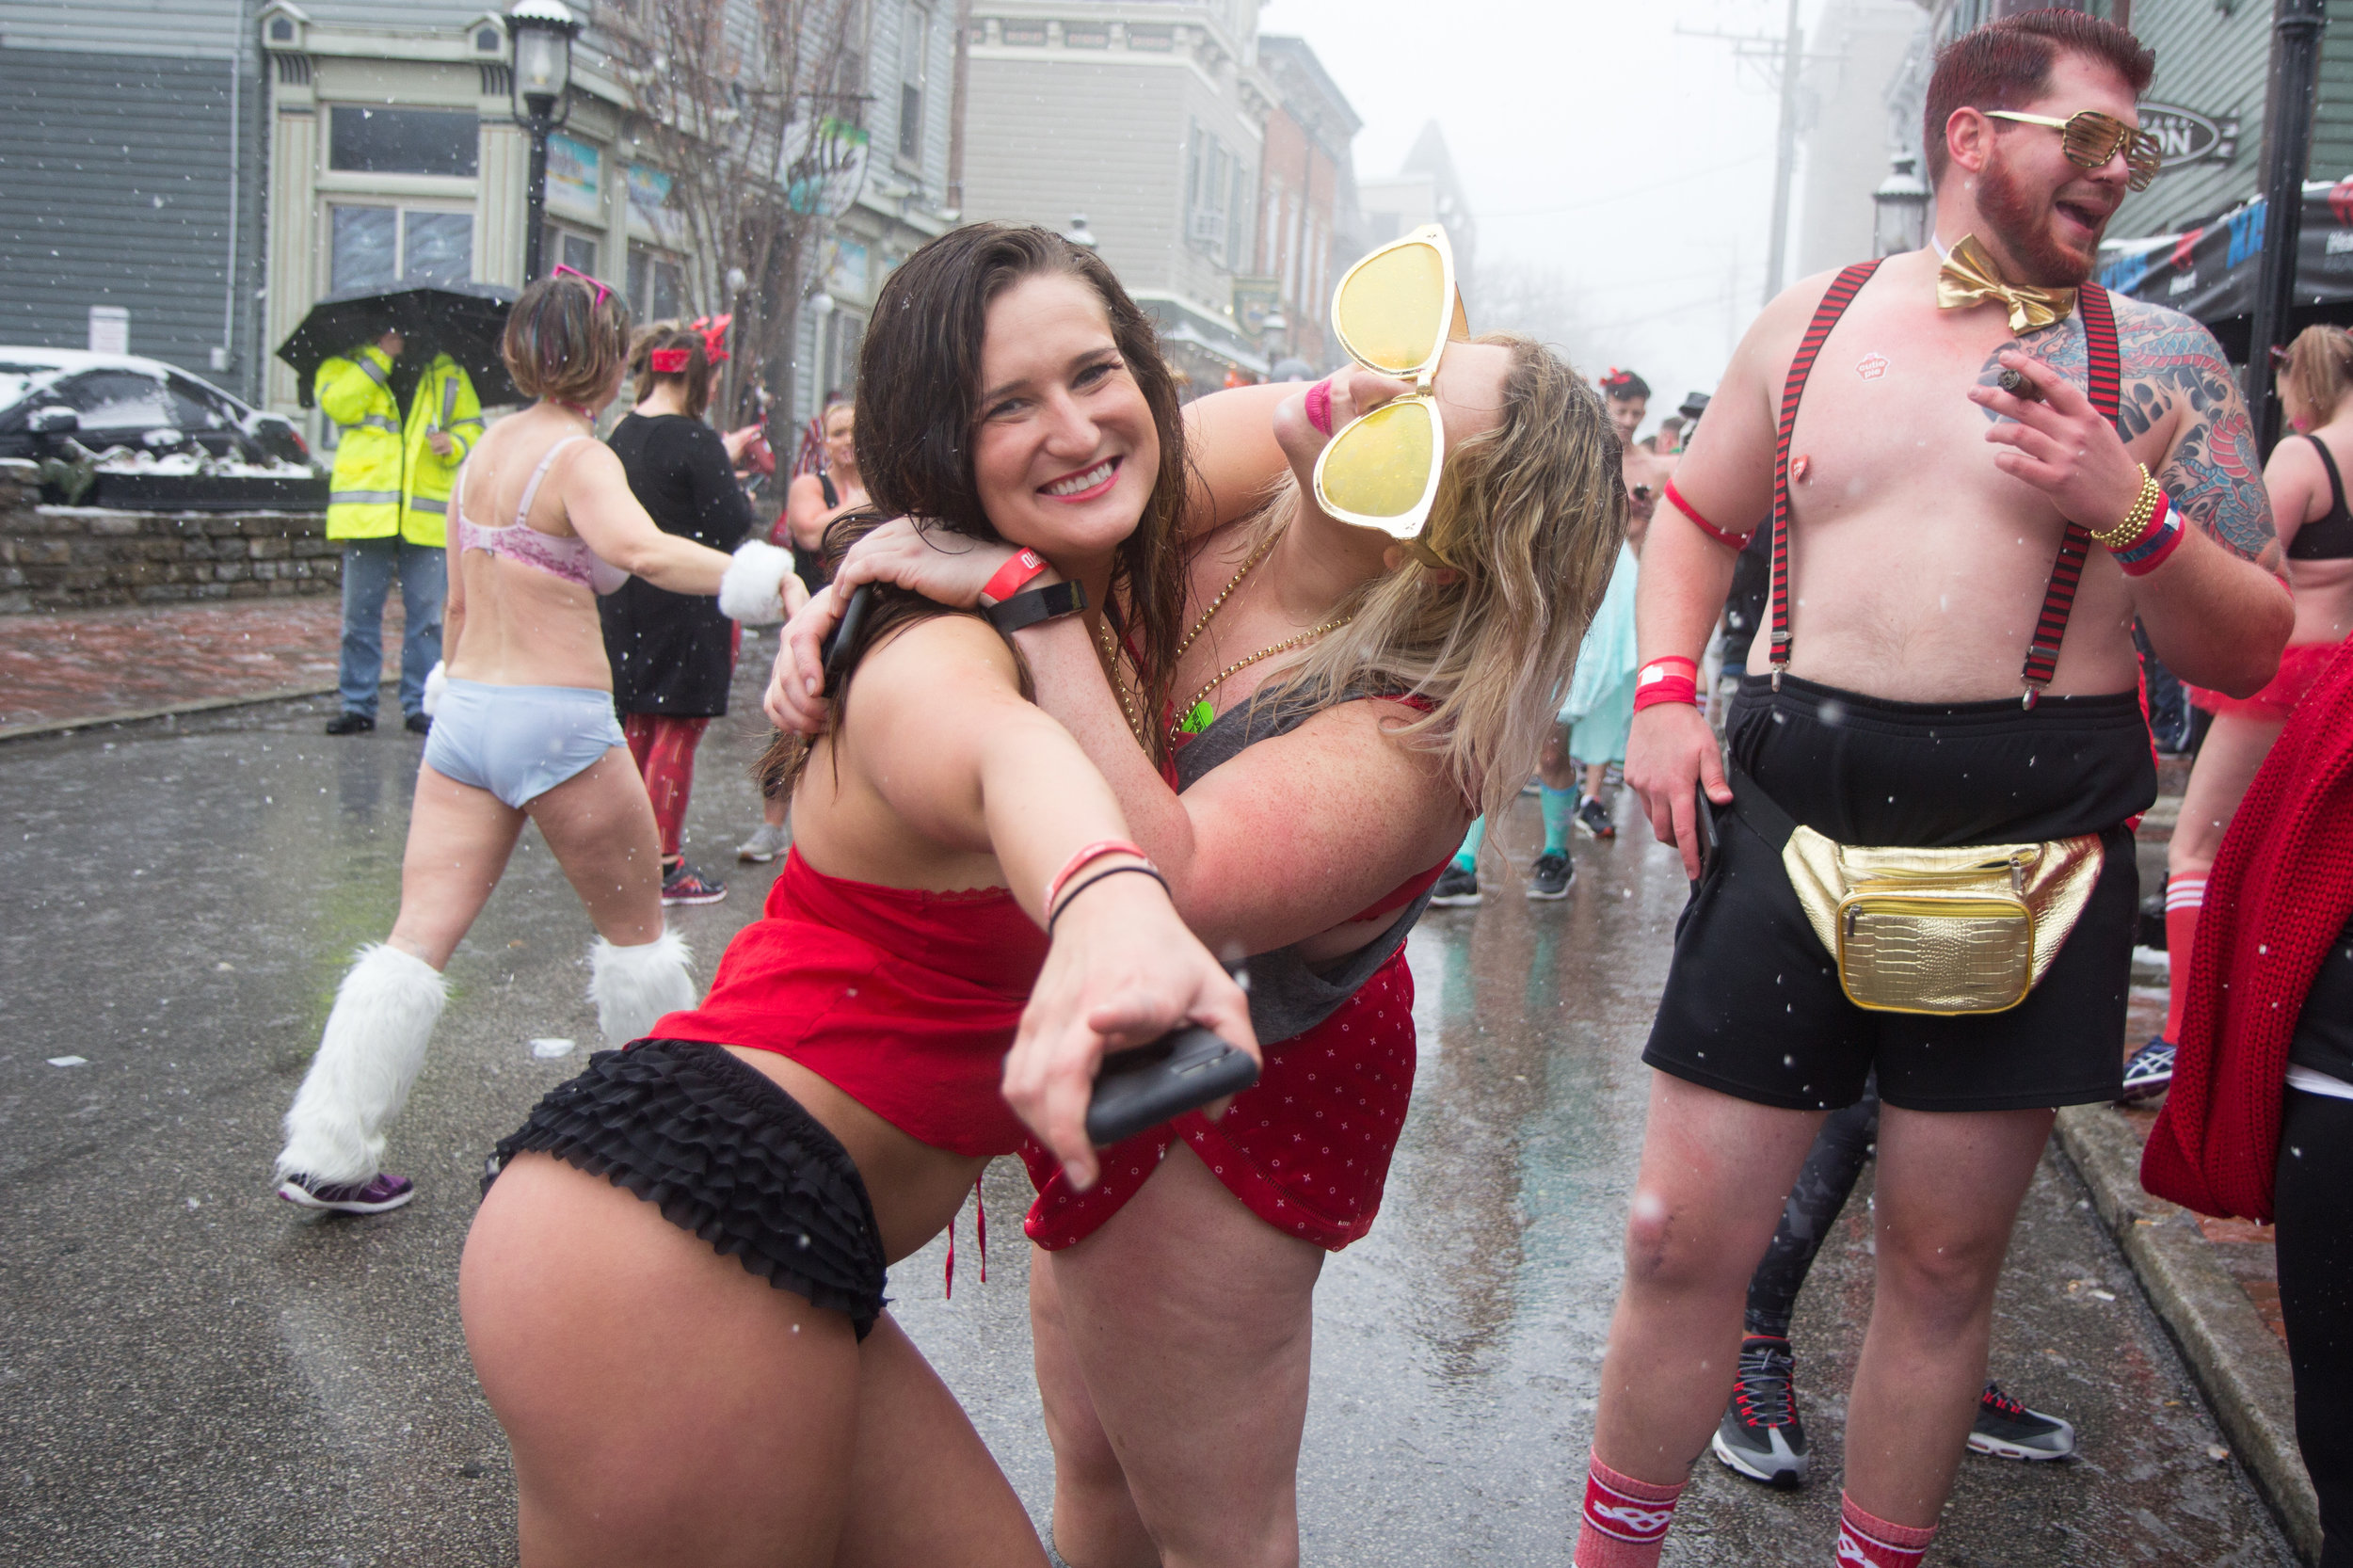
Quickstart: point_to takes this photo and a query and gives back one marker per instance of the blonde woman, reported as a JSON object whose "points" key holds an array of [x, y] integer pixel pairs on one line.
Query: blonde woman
{"points": [[1340, 707], [543, 522], [2306, 478]]}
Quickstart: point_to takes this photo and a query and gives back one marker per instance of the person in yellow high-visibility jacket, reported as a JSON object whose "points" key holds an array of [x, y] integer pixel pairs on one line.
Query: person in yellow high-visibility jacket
{"points": [[387, 504]]}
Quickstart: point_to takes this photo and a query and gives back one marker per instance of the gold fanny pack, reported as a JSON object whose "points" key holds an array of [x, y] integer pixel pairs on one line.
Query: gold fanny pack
{"points": [[1970, 929]]}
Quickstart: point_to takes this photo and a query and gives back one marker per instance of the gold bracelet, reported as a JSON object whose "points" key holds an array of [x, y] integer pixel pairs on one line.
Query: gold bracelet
{"points": [[2126, 533]]}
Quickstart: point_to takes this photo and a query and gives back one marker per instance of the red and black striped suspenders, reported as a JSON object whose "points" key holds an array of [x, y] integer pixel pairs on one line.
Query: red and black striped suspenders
{"points": [[2104, 378]]}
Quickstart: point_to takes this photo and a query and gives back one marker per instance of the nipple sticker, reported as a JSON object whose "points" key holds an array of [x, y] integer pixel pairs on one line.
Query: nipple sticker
{"points": [[1872, 367], [1800, 467]]}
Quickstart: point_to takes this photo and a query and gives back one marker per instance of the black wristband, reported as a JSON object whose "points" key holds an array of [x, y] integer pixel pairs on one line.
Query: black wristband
{"points": [[1027, 609], [1054, 914]]}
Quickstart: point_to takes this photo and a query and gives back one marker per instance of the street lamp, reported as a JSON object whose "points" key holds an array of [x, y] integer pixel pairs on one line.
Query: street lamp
{"points": [[1899, 209], [543, 31], [1080, 234]]}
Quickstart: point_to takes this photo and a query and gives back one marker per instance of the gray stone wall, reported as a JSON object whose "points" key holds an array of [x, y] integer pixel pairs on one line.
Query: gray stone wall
{"points": [[80, 557]]}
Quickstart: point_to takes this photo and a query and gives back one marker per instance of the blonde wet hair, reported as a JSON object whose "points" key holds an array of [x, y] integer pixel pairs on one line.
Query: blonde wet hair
{"points": [[2319, 368], [1528, 519]]}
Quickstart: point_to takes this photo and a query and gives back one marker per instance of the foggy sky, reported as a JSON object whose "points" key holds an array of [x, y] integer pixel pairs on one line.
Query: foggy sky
{"points": [[1592, 140]]}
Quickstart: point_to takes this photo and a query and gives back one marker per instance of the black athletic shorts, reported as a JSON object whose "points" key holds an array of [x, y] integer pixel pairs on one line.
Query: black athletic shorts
{"points": [[722, 1151], [1753, 1004]]}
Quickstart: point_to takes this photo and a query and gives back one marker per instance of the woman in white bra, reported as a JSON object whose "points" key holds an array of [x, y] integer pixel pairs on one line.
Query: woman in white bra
{"points": [[522, 727]]}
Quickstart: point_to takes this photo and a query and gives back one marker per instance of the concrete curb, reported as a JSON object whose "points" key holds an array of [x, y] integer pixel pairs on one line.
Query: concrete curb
{"points": [[2237, 1361], [140, 715]]}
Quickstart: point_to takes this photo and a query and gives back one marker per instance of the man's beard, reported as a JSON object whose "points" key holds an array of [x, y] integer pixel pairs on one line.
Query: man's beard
{"points": [[2022, 225]]}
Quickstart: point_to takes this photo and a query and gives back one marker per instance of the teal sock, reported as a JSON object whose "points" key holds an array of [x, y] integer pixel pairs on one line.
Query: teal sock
{"points": [[1468, 856], [1558, 807]]}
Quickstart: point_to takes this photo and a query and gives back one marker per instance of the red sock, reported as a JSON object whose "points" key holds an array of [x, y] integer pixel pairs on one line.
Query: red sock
{"points": [[1625, 1520], [1865, 1542], [2184, 897]]}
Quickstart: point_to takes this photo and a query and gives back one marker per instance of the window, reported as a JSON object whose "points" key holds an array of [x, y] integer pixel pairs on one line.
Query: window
{"points": [[379, 247], [403, 141], [569, 248], [845, 332], [117, 400], [657, 284], [915, 50]]}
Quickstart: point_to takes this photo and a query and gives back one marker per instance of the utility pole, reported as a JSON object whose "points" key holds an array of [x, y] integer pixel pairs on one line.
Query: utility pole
{"points": [[2287, 152], [1786, 160]]}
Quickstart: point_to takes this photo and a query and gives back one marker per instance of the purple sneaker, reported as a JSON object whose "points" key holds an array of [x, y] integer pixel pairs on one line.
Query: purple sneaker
{"points": [[378, 1193]]}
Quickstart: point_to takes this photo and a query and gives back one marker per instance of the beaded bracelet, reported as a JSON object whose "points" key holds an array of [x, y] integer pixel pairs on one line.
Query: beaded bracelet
{"points": [[2137, 521]]}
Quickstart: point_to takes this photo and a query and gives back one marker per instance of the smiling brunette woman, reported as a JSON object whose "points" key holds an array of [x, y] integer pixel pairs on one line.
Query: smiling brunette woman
{"points": [[1340, 701], [673, 1292]]}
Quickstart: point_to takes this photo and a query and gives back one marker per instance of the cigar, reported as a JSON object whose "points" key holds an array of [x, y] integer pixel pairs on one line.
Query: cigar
{"points": [[2015, 383]]}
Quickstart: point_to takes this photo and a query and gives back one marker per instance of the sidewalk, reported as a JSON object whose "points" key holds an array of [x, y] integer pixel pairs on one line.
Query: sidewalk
{"points": [[2214, 1282], [65, 668]]}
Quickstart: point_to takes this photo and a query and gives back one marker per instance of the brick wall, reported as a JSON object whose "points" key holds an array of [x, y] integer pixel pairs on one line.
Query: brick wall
{"points": [[78, 557]]}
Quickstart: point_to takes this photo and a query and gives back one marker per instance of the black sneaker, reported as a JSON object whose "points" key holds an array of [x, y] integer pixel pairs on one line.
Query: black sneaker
{"points": [[2008, 1430], [1592, 819], [1551, 876], [418, 724], [1455, 888], [684, 883], [1760, 1436], [349, 722], [2150, 1072]]}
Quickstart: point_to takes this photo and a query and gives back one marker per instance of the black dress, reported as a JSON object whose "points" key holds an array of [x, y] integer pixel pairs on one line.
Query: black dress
{"points": [[675, 653]]}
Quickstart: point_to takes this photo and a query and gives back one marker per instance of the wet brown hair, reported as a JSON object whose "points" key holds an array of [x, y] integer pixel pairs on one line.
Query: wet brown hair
{"points": [[2319, 368], [2007, 65], [918, 405], [697, 377], [563, 344]]}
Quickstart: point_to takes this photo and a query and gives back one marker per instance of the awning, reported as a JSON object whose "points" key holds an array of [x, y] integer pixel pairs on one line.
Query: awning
{"points": [[2208, 273]]}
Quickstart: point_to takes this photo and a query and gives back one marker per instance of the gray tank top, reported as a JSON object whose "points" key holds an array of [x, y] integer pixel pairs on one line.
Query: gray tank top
{"points": [[1289, 996]]}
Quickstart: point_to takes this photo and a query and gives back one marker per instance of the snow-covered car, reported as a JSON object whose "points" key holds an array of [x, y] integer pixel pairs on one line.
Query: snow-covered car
{"points": [[118, 430]]}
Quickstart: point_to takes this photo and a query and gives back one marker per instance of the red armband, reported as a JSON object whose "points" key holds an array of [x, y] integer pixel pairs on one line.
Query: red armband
{"points": [[1672, 679], [1723, 536], [1007, 582], [2156, 543]]}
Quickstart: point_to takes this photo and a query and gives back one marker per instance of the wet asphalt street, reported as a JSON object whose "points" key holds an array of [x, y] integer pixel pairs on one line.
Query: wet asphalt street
{"points": [[193, 1372]]}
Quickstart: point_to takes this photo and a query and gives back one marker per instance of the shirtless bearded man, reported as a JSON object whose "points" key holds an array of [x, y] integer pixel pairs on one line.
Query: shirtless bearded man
{"points": [[1925, 510]]}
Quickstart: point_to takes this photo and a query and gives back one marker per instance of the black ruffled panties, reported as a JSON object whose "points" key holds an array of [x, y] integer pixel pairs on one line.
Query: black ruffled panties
{"points": [[722, 1151]]}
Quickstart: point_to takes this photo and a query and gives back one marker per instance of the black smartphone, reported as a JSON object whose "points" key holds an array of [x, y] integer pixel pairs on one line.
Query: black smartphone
{"points": [[1704, 824], [1179, 1072], [849, 637]]}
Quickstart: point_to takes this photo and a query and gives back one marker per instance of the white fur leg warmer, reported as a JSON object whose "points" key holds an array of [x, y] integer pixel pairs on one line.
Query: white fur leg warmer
{"points": [[753, 590], [634, 986], [367, 1060]]}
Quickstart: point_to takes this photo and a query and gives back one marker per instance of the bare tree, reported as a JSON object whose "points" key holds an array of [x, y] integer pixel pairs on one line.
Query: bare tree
{"points": [[751, 110]]}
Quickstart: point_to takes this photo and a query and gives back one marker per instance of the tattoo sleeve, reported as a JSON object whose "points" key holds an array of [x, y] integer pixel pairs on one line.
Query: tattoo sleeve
{"points": [[2214, 474]]}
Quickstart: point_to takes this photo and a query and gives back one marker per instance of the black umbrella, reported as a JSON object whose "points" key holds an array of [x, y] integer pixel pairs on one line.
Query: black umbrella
{"points": [[462, 320]]}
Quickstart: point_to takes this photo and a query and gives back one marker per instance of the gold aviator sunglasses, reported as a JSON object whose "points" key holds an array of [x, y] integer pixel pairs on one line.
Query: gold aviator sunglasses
{"points": [[2091, 139], [1394, 312]]}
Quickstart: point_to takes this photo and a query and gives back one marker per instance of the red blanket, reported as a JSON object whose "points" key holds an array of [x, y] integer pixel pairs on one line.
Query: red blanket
{"points": [[2279, 892]]}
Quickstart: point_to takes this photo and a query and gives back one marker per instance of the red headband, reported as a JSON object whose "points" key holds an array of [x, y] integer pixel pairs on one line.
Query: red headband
{"points": [[671, 362]]}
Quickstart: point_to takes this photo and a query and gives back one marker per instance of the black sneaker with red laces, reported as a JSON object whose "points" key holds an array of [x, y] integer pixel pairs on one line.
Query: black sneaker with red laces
{"points": [[1760, 1436], [2008, 1430], [685, 883]]}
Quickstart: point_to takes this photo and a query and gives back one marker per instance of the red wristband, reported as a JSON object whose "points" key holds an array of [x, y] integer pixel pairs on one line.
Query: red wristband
{"points": [[1722, 536], [1656, 682], [2157, 543], [1007, 582], [1086, 855]]}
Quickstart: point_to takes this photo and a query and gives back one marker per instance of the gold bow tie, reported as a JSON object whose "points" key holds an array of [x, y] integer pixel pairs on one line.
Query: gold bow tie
{"points": [[1969, 277]]}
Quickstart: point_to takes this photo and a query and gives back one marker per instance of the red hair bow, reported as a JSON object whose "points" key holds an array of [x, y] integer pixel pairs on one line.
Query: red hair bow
{"points": [[714, 331], [671, 362]]}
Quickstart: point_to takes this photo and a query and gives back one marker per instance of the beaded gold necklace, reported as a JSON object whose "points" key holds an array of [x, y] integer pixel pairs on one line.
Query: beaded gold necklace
{"points": [[1196, 715]]}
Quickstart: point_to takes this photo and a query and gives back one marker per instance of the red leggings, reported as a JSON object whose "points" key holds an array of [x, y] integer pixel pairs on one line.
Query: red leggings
{"points": [[665, 749]]}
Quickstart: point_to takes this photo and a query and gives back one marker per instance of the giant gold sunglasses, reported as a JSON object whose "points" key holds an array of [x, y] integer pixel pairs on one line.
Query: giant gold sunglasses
{"points": [[1394, 312], [2091, 139]]}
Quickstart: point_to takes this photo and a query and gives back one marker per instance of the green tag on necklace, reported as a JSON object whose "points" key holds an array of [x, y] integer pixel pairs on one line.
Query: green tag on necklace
{"points": [[1196, 718]]}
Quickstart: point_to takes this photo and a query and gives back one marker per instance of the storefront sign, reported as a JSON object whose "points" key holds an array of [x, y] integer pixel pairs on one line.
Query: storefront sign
{"points": [[2186, 137], [650, 203], [848, 277], [575, 176]]}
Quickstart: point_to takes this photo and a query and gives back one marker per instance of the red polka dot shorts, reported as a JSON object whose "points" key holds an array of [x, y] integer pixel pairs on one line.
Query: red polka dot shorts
{"points": [[1306, 1149]]}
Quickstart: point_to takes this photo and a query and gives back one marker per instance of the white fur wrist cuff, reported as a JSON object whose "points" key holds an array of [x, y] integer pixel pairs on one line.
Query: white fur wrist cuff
{"points": [[436, 683], [753, 590]]}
